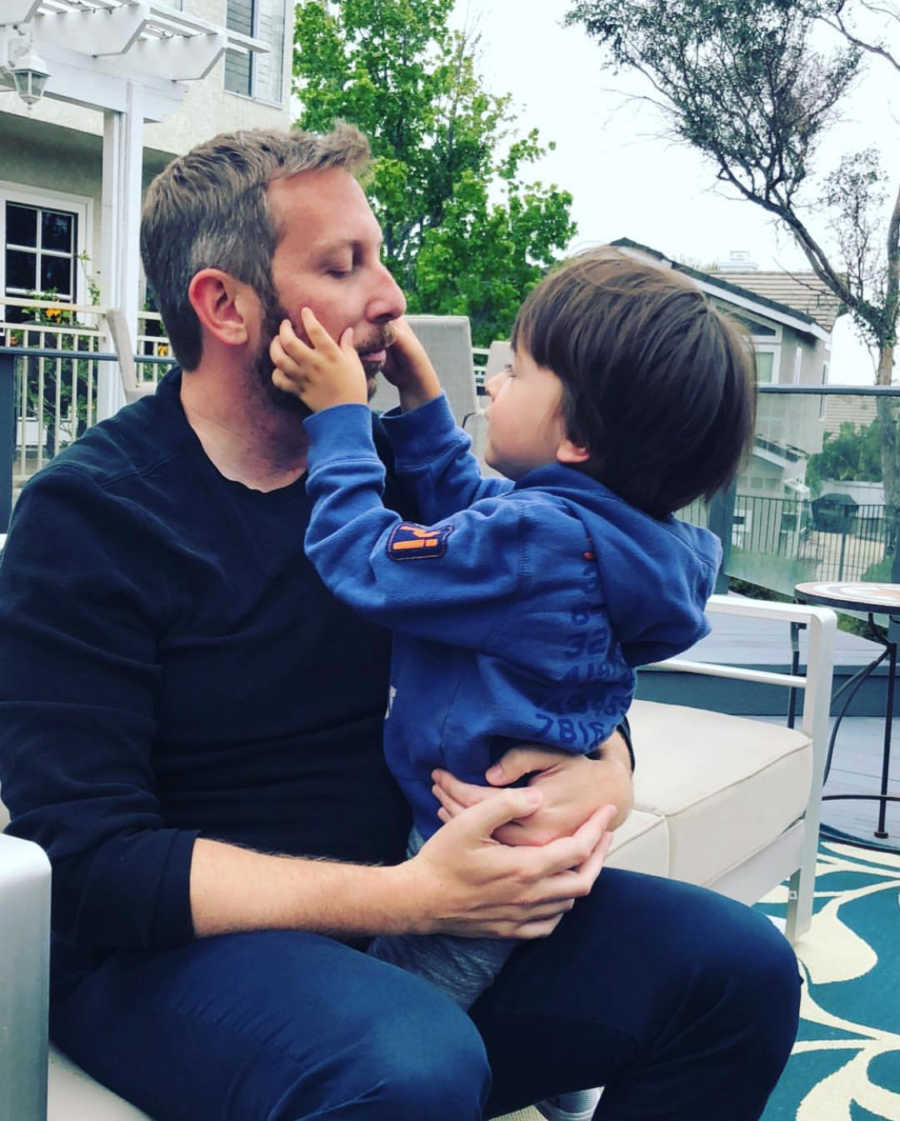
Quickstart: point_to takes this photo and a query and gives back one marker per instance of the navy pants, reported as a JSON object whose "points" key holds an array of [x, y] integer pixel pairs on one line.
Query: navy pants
{"points": [[682, 1003]]}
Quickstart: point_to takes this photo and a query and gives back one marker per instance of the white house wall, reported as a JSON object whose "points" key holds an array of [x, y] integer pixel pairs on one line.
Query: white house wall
{"points": [[45, 164], [207, 109], [57, 147]]}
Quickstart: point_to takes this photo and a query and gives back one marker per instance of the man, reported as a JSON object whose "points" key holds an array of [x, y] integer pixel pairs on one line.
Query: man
{"points": [[191, 730]]}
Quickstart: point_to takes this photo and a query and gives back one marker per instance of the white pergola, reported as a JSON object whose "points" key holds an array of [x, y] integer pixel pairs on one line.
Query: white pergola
{"points": [[130, 59]]}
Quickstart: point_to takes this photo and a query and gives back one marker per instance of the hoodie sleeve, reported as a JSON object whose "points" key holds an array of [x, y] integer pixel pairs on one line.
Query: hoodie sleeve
{"points": [[78, 689], [434, 455], [451, 580]]}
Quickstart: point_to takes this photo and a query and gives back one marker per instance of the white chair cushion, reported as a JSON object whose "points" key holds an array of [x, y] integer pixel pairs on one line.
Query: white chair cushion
{"points": [[726, 785], [74, 1096], [641, 844]]}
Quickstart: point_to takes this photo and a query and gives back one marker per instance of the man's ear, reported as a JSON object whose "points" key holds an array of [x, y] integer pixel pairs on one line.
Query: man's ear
{"points": [[224, 306], [572, 453]]}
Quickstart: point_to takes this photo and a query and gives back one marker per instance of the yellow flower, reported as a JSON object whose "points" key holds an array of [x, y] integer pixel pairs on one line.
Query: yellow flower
{"points": [[162, 350], [53, 312]]}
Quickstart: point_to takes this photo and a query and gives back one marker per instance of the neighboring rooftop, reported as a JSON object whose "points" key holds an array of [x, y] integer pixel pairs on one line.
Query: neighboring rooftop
{"points": [[802, 291], [855, 410], [797, 297]]}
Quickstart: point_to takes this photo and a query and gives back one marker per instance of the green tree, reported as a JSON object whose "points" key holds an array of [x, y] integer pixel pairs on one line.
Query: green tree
{"points": [[465, 233], [853, 453], [753, 85]]}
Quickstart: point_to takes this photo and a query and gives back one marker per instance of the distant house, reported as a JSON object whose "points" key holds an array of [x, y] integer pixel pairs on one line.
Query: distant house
{"points": [[789, 318], [128, 86]]}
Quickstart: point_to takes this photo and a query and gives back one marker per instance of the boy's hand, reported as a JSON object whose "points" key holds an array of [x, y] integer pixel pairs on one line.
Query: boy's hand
{"points": [[409, 368], [322, 373]]}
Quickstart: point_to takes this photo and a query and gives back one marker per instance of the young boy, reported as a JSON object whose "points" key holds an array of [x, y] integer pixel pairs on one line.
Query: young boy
{"points": [[522, 605]]}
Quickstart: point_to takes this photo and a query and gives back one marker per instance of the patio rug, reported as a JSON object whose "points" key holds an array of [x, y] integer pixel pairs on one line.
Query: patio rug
{"points": [[845, 1065]]}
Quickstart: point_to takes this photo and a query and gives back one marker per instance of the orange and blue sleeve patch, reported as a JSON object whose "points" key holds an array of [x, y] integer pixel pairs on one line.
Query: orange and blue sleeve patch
{"points": [[416, 542]]}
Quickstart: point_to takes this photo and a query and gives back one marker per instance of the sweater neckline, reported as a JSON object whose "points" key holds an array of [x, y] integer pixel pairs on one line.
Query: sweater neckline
{"points": [[169, 389]]}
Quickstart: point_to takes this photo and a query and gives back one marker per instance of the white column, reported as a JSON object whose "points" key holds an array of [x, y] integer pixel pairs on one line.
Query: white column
{"points": [[120, 256], [132, 183]]}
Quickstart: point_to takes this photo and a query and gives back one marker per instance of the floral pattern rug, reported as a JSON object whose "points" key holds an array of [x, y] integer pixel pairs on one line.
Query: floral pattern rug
{"points": [[845, 1065]]}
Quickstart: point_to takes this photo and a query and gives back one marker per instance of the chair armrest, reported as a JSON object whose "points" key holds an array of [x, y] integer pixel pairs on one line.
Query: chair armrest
{"points": [[24, 978], [821, 628]]}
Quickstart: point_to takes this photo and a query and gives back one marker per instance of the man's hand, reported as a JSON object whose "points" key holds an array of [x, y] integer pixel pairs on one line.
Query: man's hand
{"points": [[322, 373], [462, 881], [573, 787], [466, 883], [409, 368]]}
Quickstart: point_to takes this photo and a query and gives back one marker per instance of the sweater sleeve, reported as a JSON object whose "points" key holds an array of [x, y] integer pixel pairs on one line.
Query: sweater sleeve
{"points": [[452, 580], [434, 455], [79, 680]]}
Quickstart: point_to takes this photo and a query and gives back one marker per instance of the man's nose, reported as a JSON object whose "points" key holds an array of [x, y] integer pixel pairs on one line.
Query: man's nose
{"points": [[387, 301]]}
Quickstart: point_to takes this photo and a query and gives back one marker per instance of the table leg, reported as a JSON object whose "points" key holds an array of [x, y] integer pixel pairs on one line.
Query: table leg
{"points": [[888, 725]]}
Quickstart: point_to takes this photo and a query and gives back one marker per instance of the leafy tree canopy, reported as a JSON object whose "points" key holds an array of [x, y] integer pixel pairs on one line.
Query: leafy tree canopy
{"points": [[854, 453], [465, 233]]}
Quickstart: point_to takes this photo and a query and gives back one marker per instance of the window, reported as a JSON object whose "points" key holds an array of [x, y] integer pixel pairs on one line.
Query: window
{"points": [[43, 238], [766, 338], [40, 251], [257, 75], [765, 365]]}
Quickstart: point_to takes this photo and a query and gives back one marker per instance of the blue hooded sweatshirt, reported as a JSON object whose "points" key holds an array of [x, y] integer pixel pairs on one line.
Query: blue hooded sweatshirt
{"points": [[519, 611]]}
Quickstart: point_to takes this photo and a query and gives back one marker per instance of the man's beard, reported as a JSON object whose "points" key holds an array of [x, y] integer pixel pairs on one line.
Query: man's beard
{"points": [[273, 316]]}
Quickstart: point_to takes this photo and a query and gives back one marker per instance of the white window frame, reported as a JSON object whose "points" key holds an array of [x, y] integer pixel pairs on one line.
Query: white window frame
{"points": [[80, 205], [767, 344], [762, 344], [287, 44], [798, 363], [775, 350]]}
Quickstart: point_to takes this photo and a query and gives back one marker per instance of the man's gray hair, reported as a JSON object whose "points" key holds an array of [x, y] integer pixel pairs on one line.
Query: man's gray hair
{"points": [[209, 209]]}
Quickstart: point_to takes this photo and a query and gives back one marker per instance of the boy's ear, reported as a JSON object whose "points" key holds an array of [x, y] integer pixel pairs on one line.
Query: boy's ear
{"points": [[225, 306], [572, 453]]}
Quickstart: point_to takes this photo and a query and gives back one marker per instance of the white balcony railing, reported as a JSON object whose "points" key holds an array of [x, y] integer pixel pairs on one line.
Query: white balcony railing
{"points": [[56, 397]]}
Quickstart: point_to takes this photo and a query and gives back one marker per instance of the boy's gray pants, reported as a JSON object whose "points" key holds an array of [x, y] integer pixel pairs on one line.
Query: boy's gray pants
{"points": [[462, 967]]}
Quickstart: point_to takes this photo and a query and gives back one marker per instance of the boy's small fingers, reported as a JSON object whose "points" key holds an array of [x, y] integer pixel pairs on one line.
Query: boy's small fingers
{"points": [[347, 339], [281, 381], [447, 801], [313, 327], [282, 359], [287, 336], [509, 805], [289, 342]]}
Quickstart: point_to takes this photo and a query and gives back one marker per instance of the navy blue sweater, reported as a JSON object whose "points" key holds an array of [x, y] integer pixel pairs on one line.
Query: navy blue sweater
{"points": [[170, 666], [518, 612]]}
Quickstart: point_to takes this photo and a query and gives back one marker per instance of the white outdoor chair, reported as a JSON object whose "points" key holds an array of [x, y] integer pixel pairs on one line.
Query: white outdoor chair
{"points": [[448, 340], [720, 800]]}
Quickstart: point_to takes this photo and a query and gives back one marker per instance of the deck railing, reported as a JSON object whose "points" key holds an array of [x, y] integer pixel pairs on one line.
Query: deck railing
{"points": [[775, 539], [55, 392]]}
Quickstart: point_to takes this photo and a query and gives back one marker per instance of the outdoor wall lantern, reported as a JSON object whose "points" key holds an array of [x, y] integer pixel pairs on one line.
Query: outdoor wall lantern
{"points": [[20, 62]]}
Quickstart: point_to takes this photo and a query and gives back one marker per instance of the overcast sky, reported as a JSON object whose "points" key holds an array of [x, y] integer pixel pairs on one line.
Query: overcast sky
{"points": [[626, 178]]}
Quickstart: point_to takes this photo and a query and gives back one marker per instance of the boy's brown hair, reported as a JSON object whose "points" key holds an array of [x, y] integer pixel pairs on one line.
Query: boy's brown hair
{"points": [[657, 383]]}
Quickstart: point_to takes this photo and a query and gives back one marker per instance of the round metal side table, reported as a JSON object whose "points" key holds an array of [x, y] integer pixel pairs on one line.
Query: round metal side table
{"points": [[874, 599]]}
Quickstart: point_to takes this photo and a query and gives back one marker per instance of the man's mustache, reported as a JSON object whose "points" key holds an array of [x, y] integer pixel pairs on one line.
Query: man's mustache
{"points": [[381, 341]]}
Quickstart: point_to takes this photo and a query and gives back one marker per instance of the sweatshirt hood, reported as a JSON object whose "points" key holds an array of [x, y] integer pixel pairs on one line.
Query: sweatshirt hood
{"points": [[656, 573]]}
